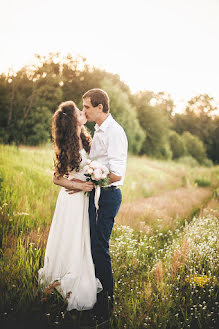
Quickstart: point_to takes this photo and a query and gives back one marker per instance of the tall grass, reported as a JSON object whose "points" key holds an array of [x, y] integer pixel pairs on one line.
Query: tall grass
{"points": [[163, 272], [167, 280], [166, 210]]}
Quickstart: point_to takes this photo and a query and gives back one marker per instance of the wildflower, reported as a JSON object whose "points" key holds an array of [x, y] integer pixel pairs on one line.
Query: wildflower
{"points": [[199, 280]]}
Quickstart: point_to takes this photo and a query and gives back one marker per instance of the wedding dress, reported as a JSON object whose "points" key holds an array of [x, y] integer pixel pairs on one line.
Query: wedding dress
{"points": [[68, 259]]}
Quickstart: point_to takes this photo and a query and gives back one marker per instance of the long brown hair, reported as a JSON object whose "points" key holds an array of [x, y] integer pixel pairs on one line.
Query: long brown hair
{"points": [[65, 139]]}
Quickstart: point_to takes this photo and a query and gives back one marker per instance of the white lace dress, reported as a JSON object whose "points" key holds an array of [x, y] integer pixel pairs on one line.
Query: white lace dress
{"points": [[68, 259]]}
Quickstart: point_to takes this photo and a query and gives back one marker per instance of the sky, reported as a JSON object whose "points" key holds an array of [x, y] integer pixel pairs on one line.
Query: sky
{"points": [[159, 45]]}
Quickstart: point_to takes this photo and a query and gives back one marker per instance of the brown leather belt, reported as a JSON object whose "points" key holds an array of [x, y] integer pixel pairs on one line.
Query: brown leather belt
{"points": [[110, 188]]}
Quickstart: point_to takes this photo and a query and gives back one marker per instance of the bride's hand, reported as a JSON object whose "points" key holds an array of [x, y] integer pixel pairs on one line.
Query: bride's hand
{"points": [[84, 186], [79, 186]]}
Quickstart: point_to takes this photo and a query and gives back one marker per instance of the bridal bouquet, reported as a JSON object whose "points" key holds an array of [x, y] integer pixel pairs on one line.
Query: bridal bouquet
{"points": [[98, 174]]}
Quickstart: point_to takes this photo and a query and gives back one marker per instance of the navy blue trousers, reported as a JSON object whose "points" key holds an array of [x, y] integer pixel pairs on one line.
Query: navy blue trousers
{"points": [[101, 225]]}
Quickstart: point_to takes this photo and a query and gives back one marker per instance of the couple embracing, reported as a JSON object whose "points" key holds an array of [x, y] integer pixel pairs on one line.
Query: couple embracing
{"points": [[77, 259]]}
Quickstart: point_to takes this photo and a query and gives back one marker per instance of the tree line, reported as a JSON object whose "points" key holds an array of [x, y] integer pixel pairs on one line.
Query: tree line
{"points": [[30, 96]]}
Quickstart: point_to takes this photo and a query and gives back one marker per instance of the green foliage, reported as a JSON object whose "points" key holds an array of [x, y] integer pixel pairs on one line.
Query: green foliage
{"points": [[188, 161], [166, 152], [201, 105], [1, 180], [207, 163], [125, 114], [160, 100], [177, 145], [155, 124], [200, 120], [52, 79], [194, 146], [37, 127], [30, 96], [213, 148], [202, 182]]}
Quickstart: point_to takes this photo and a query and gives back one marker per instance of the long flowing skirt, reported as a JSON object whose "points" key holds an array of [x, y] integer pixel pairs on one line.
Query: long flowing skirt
{"points": [[68, 259]]}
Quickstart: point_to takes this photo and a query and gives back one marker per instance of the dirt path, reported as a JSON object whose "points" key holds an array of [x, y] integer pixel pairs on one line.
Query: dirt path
{"points": [[165, 209]]}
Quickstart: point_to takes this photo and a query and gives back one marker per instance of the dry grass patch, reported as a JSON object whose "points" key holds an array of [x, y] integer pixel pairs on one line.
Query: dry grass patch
{"points": [[212, 208], [37, 237], [164, 209]]}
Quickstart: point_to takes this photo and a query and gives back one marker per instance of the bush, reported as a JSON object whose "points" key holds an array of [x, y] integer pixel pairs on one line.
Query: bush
{"points": [[37, 127], [202, 182], [194, 147], [156, 125], [176, 145], [207, 163], [166, 152], [188, 161]]}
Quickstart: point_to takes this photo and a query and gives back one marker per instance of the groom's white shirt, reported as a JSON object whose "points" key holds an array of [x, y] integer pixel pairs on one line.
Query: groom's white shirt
{"points": [[110, 147]]}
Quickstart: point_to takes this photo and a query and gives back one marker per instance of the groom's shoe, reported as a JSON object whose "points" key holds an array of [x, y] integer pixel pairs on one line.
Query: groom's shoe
{"points": [[100, 315], [103, 310], [104, 306], [93, 321]]}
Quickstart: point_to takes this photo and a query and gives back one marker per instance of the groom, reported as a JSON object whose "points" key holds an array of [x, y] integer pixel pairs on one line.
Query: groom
{"points": [[109, 146]]}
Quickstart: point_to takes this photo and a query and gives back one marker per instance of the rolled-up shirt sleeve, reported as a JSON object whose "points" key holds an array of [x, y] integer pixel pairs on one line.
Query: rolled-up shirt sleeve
{"points": [[117, 151]]}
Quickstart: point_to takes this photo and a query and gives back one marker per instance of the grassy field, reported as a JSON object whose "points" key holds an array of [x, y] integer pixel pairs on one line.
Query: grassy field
{"points": [[163, 246]]}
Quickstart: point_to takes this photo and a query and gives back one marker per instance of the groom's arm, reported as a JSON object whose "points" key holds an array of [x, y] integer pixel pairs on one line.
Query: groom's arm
{"points": [[117, 154], [114, 178], [63, 182], [74, 185]]}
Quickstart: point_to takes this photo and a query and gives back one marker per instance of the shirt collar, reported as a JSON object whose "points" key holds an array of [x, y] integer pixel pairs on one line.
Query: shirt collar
{"points": [[105, 124]]}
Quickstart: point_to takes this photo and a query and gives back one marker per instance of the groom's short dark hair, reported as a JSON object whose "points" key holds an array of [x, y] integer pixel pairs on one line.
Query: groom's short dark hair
{"points": [[98, 96]]}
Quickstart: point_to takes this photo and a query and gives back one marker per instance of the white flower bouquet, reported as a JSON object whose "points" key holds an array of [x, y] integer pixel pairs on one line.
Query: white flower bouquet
{"points": [[98, 174]]}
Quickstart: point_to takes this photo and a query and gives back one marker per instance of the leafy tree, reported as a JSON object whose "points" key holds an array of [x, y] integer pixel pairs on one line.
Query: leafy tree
{"points": [[26, 91], [202, 105], [155, 123], [160, 100], [164, 102], [37, 127], [4, 108], [200, 119], [215, 144], [29, 97], [194, 147], [177, 145]]}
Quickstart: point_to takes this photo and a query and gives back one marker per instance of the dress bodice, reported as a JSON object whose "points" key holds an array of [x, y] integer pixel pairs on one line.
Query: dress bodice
{"points": [[80, 174]]}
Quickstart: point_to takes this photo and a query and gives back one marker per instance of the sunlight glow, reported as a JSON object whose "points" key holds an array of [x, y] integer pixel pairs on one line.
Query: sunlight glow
{"points": [[154, 45]]}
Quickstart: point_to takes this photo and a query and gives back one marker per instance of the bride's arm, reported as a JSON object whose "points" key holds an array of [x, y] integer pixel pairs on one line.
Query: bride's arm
{"points": [[73, 184]]}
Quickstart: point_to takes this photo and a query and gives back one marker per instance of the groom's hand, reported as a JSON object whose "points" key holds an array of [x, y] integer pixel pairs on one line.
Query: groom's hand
{"points": [[72, 191]]}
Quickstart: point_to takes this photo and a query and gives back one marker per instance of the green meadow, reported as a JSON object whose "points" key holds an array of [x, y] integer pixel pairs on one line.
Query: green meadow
{"points": [[164, 246]]}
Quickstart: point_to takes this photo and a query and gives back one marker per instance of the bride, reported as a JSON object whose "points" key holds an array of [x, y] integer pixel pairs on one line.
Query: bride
{"points": [[68, 264]]}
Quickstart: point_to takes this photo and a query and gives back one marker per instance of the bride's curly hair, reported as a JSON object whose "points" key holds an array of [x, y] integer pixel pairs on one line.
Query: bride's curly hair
{"points": [[65, 139]]}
